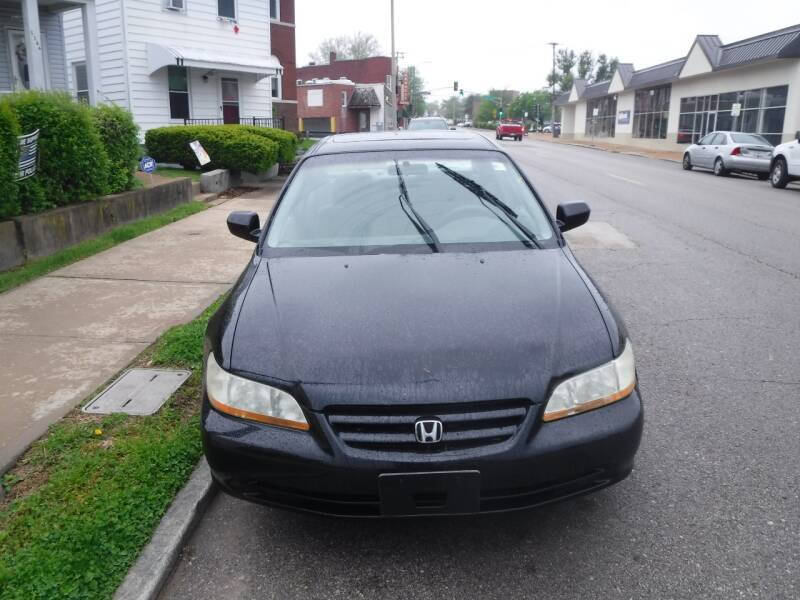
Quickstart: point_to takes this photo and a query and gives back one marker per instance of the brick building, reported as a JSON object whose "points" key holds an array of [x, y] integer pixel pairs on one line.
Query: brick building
{"points": [[347, 95], [284, 87]]}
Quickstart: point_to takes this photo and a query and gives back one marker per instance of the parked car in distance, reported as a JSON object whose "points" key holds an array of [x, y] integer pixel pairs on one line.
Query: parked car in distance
{"points": [[730, 151], [785, 163], [512, 129], [549, 128], [468, 123], [420, 123], [404, 341]]}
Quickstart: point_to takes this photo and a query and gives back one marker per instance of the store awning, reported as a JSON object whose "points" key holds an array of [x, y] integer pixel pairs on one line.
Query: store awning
{"points": [[160, 56]]}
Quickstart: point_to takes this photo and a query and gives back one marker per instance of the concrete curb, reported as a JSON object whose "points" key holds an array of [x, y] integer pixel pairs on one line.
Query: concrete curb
{"points": [[154, 565]]}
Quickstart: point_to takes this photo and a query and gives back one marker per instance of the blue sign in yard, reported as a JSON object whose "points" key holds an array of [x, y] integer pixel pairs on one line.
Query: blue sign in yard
{"points": [[147, 164]]}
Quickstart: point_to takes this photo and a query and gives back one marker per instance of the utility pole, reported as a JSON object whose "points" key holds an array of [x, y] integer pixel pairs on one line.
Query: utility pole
{"points": [[394, 68], [552, 91]]}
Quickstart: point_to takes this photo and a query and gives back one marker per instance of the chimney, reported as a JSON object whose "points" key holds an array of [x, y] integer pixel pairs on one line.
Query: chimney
{"points": [[332, 58]]}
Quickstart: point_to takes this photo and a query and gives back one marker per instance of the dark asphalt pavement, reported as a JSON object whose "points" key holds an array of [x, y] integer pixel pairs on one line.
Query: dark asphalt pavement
{"points": [[711, 296]]}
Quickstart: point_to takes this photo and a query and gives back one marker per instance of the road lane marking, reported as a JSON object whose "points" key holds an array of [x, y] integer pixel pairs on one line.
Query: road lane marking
{"points": [[633, 181]]}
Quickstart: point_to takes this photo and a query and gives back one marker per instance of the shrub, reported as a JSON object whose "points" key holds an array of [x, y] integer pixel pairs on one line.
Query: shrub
{"points": [[232, 147], [120, 137], [73, 164], [9, 157], [287, 142]]}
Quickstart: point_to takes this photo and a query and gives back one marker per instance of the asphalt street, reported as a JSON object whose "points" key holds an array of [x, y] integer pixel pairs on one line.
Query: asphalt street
{"points": [[707, 278]]}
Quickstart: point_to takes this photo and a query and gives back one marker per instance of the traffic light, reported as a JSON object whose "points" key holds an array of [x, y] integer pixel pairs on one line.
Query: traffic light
{"points": [[455, 86], [500, 114], [461, 92]]}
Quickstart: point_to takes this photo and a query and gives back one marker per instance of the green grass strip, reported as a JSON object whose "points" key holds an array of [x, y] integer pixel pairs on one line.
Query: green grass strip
{"points": [[97, 487], [42, 266], [176, 172]]}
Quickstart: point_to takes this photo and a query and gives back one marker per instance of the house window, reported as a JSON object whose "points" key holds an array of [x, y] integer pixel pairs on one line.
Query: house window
{"points": [[227, 9], [344, 99], [81, 82], [760, 111], [178, 92], [651, 112], [601, 116], [275, 83], [275, 9], [176, 5]]}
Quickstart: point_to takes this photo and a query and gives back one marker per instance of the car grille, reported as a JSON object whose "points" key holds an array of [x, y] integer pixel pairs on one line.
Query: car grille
{"points": [[391, 428]]}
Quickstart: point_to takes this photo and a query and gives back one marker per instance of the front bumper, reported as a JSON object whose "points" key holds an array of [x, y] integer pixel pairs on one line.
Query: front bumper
{"points": [[313, 471]]}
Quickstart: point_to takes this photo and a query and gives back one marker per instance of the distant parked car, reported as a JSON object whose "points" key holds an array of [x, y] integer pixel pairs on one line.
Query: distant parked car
{"points": [[549, 128], [512, 129], [427, 123], [468, 124], [785, 163], [726, 151]]}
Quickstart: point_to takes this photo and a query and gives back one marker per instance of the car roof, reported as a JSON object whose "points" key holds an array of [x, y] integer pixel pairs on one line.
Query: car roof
{"points": [[428, 119], [426, 139]]}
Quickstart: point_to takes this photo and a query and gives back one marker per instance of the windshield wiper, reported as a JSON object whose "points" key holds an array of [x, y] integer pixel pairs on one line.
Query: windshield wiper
{"points": [[419, 223], [483, 194]]}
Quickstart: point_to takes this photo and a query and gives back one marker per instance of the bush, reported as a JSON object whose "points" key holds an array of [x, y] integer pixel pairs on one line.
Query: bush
{"points": [[120, 137], [287, 142], [73, 164], [233, 147], [9, 157]]}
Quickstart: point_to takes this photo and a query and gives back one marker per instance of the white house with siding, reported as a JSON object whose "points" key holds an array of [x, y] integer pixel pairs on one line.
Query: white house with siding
{"points": [[32, 51], [169, 61]]}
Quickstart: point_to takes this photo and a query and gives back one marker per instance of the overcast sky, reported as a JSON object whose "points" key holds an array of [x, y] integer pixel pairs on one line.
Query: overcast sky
{"points": [[502, 43]]}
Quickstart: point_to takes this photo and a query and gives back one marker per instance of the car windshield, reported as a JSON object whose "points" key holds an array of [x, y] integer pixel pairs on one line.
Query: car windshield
{"points": [[417, 124], [749, 138], [416, 198]]}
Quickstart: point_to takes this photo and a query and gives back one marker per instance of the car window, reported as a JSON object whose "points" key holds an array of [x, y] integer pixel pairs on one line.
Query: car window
{"points": [[352, 200], [749, 138], [707, 139], [418, 124], [720, 139]]}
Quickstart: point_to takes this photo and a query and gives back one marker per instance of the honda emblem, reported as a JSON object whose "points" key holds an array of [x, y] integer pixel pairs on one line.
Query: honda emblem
{"points": [[428, 431]]}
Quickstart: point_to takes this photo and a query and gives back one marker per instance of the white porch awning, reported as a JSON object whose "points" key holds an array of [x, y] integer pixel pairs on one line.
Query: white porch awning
{"points": [[160, 56]]}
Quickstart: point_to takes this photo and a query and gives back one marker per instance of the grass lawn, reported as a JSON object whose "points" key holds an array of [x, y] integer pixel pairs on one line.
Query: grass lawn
{"points": [[306, 143], [42, 266], [85, 499], [172, 172]]}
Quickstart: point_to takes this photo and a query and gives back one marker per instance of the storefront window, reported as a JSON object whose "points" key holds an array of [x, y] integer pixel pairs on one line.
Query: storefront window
{"points": [[651, 112], [601, 116], [759, 111]]}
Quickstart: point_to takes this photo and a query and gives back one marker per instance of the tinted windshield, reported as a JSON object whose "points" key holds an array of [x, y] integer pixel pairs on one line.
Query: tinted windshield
{"points": [[416, 124], [354, 200], [749, 138]]}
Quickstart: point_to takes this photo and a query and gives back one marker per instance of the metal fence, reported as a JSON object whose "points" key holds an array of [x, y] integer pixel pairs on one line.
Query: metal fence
{"points": [[274, 122]]}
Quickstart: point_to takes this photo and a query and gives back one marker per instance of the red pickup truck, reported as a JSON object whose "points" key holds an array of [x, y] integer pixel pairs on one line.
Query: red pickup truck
{"points": [[509, 129]]}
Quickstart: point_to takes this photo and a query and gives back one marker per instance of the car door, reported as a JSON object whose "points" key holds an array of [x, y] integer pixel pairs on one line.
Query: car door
{"points": [[793, 158], [717, 147], [701, 156]]}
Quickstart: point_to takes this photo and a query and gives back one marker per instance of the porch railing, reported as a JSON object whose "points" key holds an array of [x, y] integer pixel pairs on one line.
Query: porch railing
{"points": [[275, 122]]}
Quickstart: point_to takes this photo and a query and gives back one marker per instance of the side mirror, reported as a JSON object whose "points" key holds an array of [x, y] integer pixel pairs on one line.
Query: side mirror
{"points": [[244, 224], [797, 135], [571, 215]]}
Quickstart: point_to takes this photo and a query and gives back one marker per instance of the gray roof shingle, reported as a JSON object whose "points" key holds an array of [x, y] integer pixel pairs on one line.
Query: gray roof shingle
{"points": [[363, 97]]}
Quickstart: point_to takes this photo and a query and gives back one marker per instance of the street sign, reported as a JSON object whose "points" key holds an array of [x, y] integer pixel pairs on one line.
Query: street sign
{"points": [[736, 109], [28, 155], [147, 164], [595, 112], [202, 156]]}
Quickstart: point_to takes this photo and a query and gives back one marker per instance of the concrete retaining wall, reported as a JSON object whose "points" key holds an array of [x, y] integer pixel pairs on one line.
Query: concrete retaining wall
{"points": [[34, 236]]}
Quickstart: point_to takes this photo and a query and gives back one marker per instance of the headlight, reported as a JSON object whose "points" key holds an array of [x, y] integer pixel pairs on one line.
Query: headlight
{"points": [[606, 384], [251, 400]]}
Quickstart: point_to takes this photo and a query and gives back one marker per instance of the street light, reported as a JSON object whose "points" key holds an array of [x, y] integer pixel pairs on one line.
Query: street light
{"points": [[553, 91]]}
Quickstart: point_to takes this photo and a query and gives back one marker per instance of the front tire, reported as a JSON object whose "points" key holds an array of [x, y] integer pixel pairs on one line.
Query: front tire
{"points": [[719, 168], [687, 162], [778, 177]]}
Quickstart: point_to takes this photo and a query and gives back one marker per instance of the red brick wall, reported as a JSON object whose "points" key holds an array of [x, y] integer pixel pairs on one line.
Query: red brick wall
{"points": [[346, 119], [368, 70], [287, 11], [282, 38]]}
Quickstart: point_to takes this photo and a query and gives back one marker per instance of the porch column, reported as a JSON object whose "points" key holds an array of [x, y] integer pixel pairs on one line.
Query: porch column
{"points": [[92, 52], [33, 44]]}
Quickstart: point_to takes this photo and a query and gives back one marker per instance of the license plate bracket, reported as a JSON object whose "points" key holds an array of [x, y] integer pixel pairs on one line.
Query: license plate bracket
{"points": [[430, 493]]}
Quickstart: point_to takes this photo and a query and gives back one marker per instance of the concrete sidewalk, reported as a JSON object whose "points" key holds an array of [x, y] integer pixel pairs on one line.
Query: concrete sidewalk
{"points": [[598, 144], [64, 335]]}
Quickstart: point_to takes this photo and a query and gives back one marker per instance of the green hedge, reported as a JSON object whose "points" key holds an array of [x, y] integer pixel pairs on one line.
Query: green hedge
{"points": [[287, 142], [234, 147], [120, 137], [9, 157]]}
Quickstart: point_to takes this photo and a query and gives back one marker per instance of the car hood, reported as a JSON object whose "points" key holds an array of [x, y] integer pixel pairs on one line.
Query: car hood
{"points": [[419, 328]]}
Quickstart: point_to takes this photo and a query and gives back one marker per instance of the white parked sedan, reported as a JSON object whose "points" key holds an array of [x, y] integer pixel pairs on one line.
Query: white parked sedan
{"points": [[726, 151]]}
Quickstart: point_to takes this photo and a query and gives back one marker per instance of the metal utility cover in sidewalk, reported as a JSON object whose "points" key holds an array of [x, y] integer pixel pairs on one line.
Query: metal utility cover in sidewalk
{"points": [[138, 392]]}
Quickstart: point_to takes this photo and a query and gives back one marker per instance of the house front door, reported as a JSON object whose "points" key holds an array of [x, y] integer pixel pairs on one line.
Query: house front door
{"points": [[230, 101], [363, 120]]}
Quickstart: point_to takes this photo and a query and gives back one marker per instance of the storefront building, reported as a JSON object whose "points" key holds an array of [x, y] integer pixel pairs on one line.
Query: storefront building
{"points": [[752, 85]]}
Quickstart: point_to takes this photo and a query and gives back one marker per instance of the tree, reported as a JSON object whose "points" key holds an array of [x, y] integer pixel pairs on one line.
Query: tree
{"points": [[565, 61], [357, 46], [452, 106], [416, 94], [605, 67], [536, 104], [585, 65], [486, 112]]}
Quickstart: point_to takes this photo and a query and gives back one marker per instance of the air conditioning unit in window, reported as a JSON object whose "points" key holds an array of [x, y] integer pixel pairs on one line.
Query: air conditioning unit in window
{"points": [[175, 5], [299, 82]]}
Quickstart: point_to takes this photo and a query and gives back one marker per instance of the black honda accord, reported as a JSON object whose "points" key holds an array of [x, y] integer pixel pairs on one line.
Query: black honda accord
{"points": [[413, 336]]}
